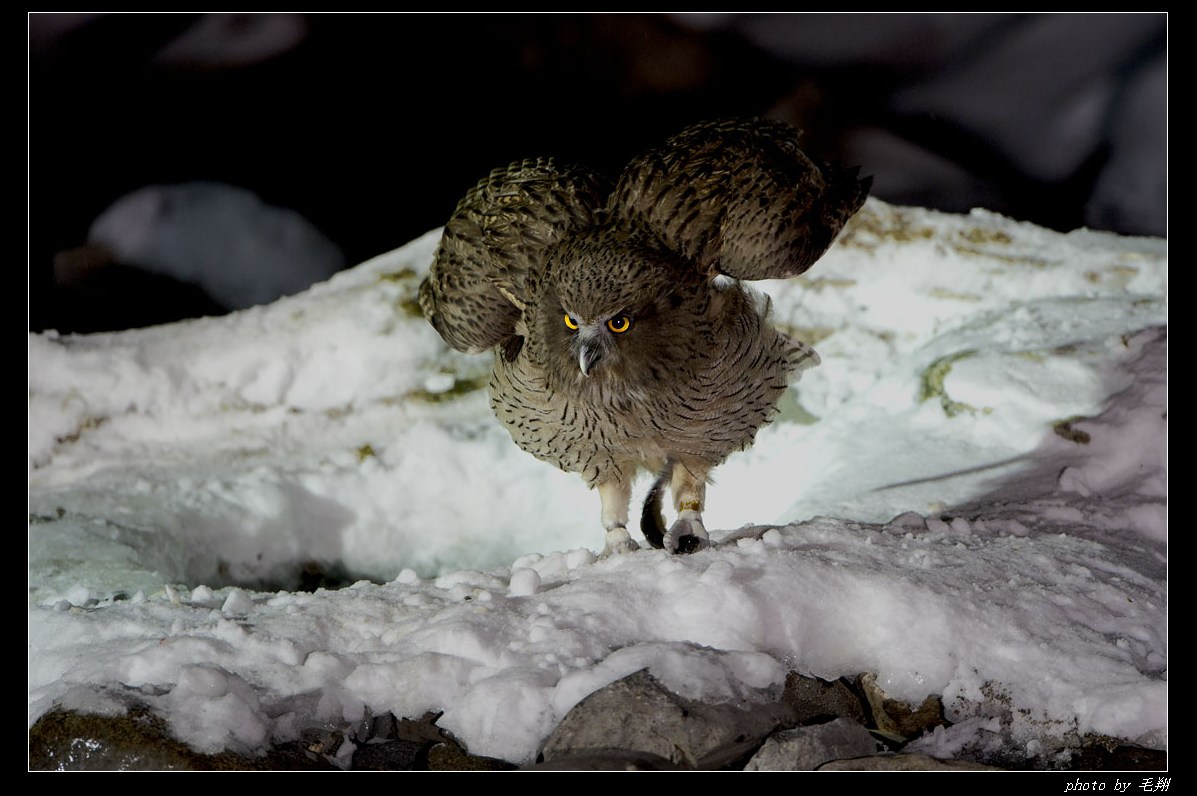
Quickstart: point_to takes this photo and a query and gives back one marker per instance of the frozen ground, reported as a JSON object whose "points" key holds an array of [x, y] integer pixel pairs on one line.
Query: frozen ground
{"points": [[968, 498]]}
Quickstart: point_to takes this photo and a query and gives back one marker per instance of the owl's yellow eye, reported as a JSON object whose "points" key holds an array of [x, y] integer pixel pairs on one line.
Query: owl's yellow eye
{"points": [[570, 323], [620, 325]]}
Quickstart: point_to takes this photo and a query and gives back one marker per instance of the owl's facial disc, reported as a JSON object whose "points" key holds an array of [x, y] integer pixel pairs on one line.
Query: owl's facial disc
{"points": [[590, 342]]}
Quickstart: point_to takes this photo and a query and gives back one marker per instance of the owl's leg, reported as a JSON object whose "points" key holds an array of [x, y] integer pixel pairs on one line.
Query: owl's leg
{"points": [[615, 496], [689, 488]]}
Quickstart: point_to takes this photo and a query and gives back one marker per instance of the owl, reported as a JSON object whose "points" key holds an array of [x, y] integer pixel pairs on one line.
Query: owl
{"points": [[624, 337]]}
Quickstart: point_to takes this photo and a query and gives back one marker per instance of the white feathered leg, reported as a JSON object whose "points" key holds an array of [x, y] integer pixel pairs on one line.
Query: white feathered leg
{"points": [[689, 488], [615, 496]]}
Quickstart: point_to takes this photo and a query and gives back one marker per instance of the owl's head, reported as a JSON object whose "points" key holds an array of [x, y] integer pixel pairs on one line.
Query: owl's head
{"points": [[613, 308]]}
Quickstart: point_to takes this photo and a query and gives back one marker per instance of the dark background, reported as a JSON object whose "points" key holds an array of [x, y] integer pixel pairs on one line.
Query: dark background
{"points": [[372, 126]]}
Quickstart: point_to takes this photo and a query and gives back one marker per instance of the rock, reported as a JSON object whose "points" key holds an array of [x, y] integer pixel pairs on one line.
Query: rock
{"points": [[639, 715], [608, 760], [895, 717], [63, 740], [807, 748], [903, 762], [66, 741], [393, 755], [387, 743], [448, 756], [1113, 756], [814, 699], [633, 724]]}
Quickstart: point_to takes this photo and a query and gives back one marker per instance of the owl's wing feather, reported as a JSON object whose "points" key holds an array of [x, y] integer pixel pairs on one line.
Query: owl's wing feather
{"points": [[740, 198], [495, 241]]}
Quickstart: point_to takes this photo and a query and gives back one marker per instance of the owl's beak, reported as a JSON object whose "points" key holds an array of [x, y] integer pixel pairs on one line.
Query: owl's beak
{"points": [[589, 353]]}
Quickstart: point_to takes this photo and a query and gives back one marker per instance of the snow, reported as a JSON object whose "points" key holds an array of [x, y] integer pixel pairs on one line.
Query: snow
{"points": [[967, 498]]}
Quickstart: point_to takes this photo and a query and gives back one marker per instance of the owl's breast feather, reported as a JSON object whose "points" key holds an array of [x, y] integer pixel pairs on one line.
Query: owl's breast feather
{"points": [[710, 405]]}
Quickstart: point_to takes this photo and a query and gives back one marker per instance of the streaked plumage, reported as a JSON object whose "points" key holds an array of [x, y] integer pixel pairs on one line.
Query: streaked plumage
{"points": [[620, 342]]}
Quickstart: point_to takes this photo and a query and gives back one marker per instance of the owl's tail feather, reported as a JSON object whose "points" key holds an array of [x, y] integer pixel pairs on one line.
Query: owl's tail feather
{"points": [[652, 522]]}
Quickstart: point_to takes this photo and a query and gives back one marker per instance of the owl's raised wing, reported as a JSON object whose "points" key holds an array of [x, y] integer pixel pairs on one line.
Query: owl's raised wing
{"points": [[475, 291], [740, 198]]}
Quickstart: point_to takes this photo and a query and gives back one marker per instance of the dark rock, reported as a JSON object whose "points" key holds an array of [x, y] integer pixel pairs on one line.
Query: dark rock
{"points": [[62, 740], [903, 762], [807, 748], [608, 760], [326, 745], [637, 714], [448, 756], [815, 700], [387, 743], [380, 728], [290, 756], [1115, 756], [393, 755], [422, 730], [66, 741]]}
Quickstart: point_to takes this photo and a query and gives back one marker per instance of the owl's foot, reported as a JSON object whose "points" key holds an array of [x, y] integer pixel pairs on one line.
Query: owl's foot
{"points": [[687, 535], [619, 542]]}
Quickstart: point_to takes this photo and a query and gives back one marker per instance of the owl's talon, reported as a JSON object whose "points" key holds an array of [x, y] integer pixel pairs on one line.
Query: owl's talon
{"points": [[619, 541], [687, 535]]}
